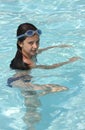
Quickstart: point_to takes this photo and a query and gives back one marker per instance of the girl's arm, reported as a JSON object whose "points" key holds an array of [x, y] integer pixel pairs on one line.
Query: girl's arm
{"points": [[50, 47], [43, 89], [73, 59]]}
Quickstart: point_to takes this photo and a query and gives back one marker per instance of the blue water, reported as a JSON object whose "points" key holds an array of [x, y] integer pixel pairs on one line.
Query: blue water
{"points": [[62, 22]]}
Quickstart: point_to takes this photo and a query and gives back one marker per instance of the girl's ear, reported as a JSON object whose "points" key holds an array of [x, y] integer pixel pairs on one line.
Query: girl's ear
{"points": [[20, 44]]}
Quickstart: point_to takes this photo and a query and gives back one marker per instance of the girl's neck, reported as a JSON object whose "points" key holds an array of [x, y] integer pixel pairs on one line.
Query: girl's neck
{"points": [[26, 56], [28, 59]]}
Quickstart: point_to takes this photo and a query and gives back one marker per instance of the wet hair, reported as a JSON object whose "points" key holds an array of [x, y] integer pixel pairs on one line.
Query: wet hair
{"points": [[17, 62]]}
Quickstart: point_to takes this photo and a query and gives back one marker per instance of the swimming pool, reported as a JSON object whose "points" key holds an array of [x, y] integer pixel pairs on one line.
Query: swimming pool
{"points": [[62, 22]]}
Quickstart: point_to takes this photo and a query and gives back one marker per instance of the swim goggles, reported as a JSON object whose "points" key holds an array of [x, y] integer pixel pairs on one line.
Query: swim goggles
{"points": [[30, 33]]}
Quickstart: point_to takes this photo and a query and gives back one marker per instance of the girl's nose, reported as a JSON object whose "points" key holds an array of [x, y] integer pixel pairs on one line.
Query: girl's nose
{"points": [[35, 45]]}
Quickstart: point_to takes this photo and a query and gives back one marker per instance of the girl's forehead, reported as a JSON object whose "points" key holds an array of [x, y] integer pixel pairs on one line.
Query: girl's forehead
{"points": [[34, 37]]}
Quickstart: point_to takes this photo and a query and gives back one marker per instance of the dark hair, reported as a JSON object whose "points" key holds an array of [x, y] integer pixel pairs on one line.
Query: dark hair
{"points": [[17, 62]]}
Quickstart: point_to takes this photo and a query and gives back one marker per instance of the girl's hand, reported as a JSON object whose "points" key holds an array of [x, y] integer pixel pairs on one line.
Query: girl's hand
{"points": [[74, 59]]}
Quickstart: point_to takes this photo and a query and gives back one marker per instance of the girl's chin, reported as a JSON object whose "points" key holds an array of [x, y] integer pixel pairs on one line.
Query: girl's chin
{"points": [[33, 54]]}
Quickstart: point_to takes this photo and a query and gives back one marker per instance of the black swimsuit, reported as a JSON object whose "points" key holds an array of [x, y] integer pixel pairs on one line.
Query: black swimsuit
{"points": [[25, 78]]}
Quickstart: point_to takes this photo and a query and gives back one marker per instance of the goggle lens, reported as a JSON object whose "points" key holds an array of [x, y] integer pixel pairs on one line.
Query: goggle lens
{"points": [[30, 33], [39, 32]]}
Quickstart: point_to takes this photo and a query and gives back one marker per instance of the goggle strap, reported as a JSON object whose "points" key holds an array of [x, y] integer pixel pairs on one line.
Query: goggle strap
{"points": [[22, 35]]}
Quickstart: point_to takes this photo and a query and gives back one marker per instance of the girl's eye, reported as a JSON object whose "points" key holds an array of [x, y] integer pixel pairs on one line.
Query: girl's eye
{"points": [[31, 43], [37, 42]]}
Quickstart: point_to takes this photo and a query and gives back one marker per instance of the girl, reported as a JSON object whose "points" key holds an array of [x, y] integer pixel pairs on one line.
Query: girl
{"points": [[28, 37]]}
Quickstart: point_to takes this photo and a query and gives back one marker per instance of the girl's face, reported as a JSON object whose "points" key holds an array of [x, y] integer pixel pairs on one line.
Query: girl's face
{"points": [[30, 45]]}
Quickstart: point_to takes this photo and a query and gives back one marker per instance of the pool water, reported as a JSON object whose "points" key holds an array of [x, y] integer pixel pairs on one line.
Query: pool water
{"points": [[62, 22]]}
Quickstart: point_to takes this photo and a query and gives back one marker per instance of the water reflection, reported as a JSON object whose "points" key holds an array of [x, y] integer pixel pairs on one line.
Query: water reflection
{"points": [[32, 103]]}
